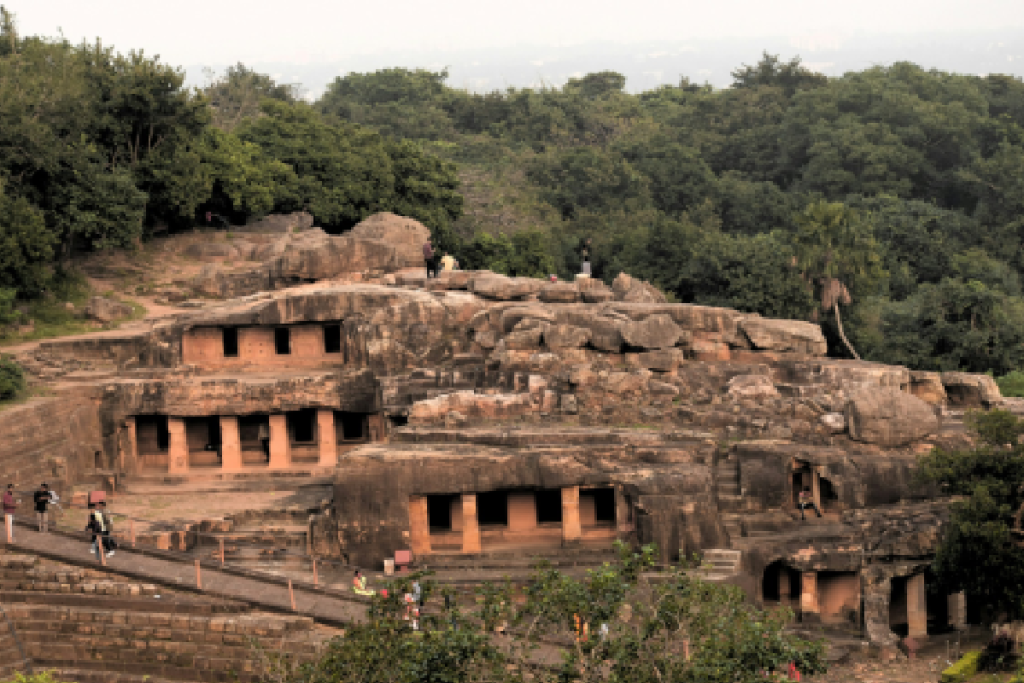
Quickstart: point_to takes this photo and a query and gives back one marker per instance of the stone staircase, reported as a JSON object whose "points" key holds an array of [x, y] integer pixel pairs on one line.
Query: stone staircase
{"points": [[727, 486], [719, 564]]}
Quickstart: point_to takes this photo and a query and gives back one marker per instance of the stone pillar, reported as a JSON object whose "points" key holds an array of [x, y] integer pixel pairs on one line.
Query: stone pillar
{"points": [[419, 526], [816, 488], [230, 444], [470, 524], [809, 592], [177, 447], [956, 608], [622, 516], [280, 444], [572, 528], [327, 439], [130, 454], [917, 607]]}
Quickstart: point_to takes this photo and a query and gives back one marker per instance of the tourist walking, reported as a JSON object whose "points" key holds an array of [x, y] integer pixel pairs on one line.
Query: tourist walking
{"points": [[10, 505], [109, 544], [94, 525], [42, 500]]}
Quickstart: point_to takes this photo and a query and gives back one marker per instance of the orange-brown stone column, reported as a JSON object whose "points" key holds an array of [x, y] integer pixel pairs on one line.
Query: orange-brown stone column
{"points": [[470, 524], [572, 528], [327, 439], [177, 446], [956, 608], [280, 446], [419, 526], [130, 454], [809, 592], [917, 609], [784, 586], [230, 444]]}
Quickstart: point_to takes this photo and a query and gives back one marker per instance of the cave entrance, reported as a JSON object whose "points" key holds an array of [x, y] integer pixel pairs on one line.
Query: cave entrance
{"points": [[780, 584]]}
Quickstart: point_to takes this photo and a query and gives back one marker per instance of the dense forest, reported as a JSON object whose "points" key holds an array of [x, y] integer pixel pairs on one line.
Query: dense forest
{"points": [[887, 204]]}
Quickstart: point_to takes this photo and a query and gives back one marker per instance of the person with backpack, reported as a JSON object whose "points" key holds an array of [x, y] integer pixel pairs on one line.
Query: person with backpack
{"points": [[109, 543]]}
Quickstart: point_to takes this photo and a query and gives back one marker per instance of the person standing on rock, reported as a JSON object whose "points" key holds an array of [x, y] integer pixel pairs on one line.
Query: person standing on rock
{"points": [[428, 257], [42, 499], [10, 505], [807, 501]]}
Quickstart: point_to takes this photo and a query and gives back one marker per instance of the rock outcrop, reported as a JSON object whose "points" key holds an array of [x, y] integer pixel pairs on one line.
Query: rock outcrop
{"points": [[889, 417]]}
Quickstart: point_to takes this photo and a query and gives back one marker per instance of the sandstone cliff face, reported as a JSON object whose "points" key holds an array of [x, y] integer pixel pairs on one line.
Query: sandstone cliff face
{"points": [[703, 422]]}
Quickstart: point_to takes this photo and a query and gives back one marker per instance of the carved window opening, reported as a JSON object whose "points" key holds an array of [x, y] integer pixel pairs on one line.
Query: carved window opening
{"points": [[151, 434], [597, 507], [282, 341], [332, 338], [352, 426], [439, 512], [302, 426], [549, 506], [492, 508], [229, 336]]}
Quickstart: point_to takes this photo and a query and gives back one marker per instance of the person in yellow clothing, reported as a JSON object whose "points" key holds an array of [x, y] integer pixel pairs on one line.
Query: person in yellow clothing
{"points": [[448, 262], [359, 585]]}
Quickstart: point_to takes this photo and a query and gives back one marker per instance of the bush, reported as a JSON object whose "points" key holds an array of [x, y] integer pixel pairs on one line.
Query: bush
{"points": [[12, 379], [998, 655], [1012, 384], [963, 669]]}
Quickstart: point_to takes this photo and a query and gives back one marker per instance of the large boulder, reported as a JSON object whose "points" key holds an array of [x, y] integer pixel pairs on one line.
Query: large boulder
{"points": [[784, 335], [889, 417], [211, 251], [106, 310], [405, 235], [560, 293], [502, 288], [318, 256], [969, 390], [653, 332], [928, 387], [633, 290]]}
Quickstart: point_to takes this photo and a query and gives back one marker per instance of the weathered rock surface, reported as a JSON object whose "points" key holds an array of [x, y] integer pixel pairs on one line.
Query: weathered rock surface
{"points": [[752, 386], [280, 223], [968, 390], [502, 288], [634, 290], [560, 292], [784, 335], [566, 337], [405, 235], [889, 417], [106, 310], [653, 332]]}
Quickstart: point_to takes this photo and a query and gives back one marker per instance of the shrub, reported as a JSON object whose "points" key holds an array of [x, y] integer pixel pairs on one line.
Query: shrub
{"points": [[963, 669], [12, 378], [1012, 384]]}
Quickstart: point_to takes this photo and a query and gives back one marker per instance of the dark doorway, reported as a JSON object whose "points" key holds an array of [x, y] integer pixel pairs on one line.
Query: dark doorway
{"points": [[492, 508], [352, 425], [230, 338], [549, 506], [827, 491], [777, 579], [398, 420], [282, 341], [332, 338], [302, 425], [937, 604], [439, 512], [604, 504], [151, 433], [898, 621]]}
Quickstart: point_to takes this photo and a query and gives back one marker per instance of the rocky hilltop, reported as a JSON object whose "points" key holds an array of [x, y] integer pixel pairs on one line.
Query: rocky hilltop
{"points": [[475, 417]]}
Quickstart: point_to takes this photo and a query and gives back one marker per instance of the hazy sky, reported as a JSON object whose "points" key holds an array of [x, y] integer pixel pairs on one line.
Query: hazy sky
{"points": [[304, 31]]}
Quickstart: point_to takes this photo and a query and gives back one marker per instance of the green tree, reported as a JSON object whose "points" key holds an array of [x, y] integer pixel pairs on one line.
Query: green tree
{"points": [[26, 246], [239, 93], [978, 552], [836, 250], [12, 378]]}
